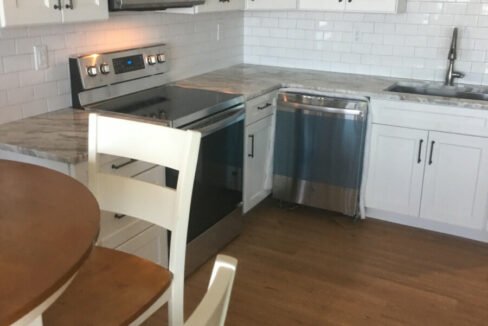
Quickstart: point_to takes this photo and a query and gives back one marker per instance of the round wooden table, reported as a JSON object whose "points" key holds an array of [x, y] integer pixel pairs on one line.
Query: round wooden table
{"points": [[48, 225]]}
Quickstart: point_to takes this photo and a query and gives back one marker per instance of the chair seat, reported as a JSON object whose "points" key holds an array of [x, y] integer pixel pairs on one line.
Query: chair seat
{"points": [[111, 288]]}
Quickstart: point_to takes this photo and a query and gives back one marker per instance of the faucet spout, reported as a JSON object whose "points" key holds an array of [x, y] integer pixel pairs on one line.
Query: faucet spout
{"points": [[451, 74], [453, 50]]}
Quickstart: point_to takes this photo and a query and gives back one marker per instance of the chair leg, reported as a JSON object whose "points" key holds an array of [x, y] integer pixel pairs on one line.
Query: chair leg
{"points": [[175, 303]]}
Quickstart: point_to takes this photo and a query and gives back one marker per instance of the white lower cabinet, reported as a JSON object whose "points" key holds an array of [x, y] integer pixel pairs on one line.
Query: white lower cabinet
{"points": [[258, 149], [397, 157], [455, 187], [258, 162], [437, 176]]}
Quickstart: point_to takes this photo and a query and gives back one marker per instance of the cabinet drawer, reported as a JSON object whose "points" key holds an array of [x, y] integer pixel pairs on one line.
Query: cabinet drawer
{"points": [[430, 117], [260, 107], [116, 230], [150, 244]]}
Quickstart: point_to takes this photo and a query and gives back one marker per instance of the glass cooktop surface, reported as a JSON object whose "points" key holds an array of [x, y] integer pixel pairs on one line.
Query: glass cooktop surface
{"points": [[175, 104]]}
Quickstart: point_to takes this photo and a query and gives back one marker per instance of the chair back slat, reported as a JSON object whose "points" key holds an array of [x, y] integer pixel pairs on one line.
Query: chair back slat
{"points": [[149, 202], [142, 141]]}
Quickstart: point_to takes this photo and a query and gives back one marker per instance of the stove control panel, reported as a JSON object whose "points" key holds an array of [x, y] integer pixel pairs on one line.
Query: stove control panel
{"points": [[106, 68]]}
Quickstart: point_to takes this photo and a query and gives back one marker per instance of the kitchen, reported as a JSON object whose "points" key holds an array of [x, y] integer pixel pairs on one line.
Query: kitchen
{"points": [[379, 47]]}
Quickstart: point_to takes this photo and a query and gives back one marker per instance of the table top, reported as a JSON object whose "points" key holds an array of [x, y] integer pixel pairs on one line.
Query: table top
{"points": [[48, 225]]}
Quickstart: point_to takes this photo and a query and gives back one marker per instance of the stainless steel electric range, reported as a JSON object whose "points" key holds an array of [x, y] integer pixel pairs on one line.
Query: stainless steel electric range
{"points": [[133, 82]]}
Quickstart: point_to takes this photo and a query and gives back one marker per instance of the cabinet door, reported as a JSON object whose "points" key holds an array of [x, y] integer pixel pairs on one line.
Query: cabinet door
{"points": [[396, 166], [380, 6], [332, 5], [258, 162], [28, 12], [456, 180], [84, 10], [271, 4]]}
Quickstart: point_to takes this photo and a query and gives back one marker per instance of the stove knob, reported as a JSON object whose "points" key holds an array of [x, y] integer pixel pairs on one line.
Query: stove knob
{"points": [[92, 71], [161, 58], [104, 68], [151, 59]]}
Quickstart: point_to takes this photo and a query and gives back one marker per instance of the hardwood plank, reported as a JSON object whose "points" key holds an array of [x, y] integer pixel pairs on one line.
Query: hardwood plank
{"points": [[311, 267]]}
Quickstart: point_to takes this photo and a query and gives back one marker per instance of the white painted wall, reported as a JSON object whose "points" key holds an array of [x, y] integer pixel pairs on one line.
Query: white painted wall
{"points": [[192, 39], [413, 44]]}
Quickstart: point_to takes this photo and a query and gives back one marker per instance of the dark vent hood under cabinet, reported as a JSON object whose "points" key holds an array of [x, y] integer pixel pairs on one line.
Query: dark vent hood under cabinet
{"points": [[142, 5]]}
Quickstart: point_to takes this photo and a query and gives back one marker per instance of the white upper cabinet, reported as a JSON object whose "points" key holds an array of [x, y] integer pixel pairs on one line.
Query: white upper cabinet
{"points": [[374, 6], [25, 12], [456, 180], [28, 12], [84, 10], [270, 4]]}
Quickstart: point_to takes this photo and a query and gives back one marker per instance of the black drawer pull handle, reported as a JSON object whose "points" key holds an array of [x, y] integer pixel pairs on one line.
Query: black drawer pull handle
{"points": [[116, 167], [252, 146], [431, 152], [267, 105], [419, 160], [119, 216]]}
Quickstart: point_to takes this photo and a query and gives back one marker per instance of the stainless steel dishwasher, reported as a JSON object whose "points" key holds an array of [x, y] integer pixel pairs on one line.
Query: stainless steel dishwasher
{"points": [[319, 149]]}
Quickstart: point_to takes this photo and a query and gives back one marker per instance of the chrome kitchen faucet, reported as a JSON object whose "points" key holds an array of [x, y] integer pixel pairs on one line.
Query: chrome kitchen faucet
{"points": [[451, 73]]}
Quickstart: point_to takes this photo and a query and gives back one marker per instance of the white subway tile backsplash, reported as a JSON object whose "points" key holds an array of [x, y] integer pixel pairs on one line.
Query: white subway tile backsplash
{"points": [[18, 63], [192, 41], [413, 44], [34, 108], [20, 95]]}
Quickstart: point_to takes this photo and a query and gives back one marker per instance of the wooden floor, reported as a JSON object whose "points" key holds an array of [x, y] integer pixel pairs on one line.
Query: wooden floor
{"points": [[304, 266]]}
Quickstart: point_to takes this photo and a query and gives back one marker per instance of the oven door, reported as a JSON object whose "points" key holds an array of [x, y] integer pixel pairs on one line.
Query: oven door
{"points": [[218, 181]]}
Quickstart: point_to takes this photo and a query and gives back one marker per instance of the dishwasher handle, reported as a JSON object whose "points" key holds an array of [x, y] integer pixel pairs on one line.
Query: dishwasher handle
{"points": [[323, 109]]}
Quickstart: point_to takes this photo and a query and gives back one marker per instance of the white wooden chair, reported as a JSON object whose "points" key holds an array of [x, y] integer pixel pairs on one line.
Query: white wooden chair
{"points": [[115, 288], [212, 310]]}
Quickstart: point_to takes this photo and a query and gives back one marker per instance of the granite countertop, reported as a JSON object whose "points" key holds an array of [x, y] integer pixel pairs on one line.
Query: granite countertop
{"points": [[253, 81], [59, 136], [62, 135]]}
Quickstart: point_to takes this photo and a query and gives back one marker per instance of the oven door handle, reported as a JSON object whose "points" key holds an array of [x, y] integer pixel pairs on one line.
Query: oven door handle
{"points": [[214, 124]]}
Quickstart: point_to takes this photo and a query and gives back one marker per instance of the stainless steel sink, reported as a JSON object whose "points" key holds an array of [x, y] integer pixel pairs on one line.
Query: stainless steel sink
{"points": [[457, 91]]}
